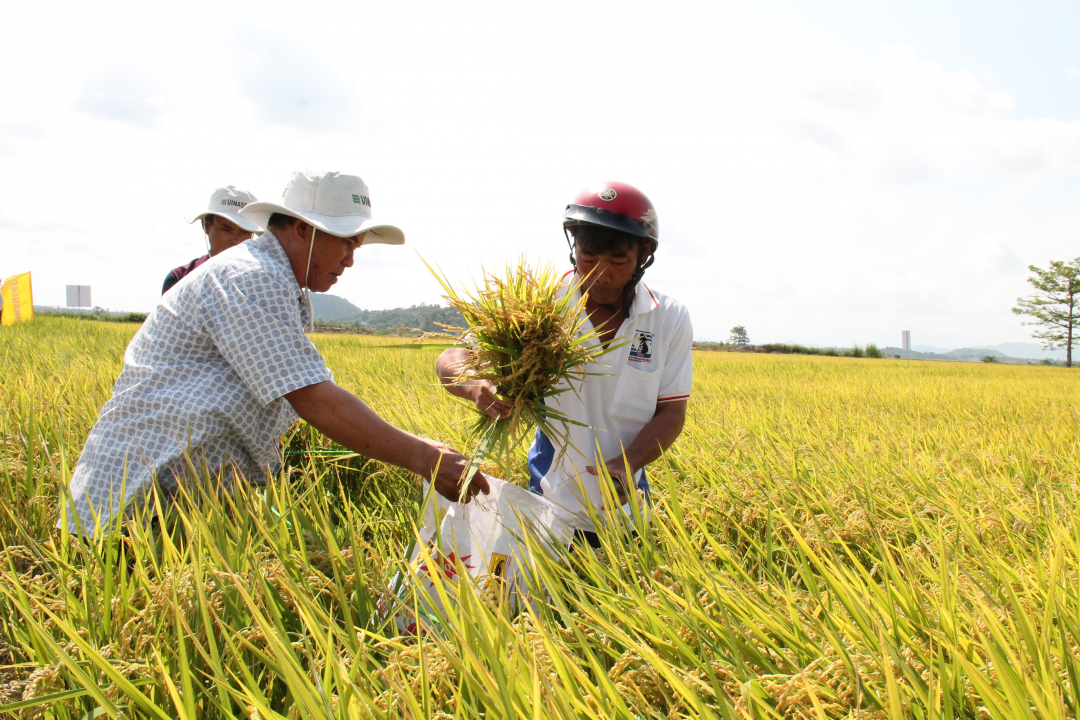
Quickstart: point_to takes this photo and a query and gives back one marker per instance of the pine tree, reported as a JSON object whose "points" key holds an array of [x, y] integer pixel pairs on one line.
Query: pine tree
{"points": [[1055, 305], [739, 336]]}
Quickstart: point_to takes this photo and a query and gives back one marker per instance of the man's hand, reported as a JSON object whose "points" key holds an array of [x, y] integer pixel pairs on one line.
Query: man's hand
{"points": [[345, 418], [447, 473], [616, 468], [656, 437], [482, 393]]}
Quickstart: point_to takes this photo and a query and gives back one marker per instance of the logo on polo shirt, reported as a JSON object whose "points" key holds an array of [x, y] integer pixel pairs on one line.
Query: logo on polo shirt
{"points": [[361, 200], [642, 347], [234, 203]]}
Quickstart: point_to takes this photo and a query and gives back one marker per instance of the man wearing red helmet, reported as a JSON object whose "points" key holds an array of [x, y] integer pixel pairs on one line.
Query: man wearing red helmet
{"points": [[634, 406]]}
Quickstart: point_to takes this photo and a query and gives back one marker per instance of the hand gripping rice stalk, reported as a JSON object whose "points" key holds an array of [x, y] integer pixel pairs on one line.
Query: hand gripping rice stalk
{"points": [[528, 338]]}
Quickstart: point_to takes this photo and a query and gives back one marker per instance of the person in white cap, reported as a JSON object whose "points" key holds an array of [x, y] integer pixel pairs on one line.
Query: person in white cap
{"points": [[222, 366], [223, 226]]}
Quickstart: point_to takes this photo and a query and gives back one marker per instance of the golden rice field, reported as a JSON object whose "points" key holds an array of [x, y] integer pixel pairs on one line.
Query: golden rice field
{"points": [[833, 538]]}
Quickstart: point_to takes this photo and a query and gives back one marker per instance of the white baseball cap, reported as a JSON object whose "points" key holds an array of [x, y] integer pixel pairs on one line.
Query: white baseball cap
{"points": [[334, 203], [227, 202]]}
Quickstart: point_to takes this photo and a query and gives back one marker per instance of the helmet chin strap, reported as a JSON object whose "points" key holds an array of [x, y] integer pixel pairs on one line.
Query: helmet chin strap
{"points": [[631, 287], [307, 274]]}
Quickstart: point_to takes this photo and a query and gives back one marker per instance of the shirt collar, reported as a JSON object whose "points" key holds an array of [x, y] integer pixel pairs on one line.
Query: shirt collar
{"points": [[272, 246], [644, 299]]}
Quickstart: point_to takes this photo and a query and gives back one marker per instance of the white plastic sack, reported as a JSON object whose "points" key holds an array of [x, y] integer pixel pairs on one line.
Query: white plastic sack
{"points": [[482, 538]]}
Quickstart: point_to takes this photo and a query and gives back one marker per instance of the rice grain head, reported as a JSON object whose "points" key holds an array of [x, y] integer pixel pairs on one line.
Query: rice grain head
{"points": [[527, 332]]}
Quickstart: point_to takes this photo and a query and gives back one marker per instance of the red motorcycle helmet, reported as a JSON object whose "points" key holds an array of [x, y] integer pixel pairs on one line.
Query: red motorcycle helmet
{"points": [[614, 205]]}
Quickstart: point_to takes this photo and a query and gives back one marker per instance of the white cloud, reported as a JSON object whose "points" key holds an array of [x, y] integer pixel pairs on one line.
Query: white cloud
{"points": [[901, 119], [126, 95], [293, 86], [21, 129], [993, 253]]}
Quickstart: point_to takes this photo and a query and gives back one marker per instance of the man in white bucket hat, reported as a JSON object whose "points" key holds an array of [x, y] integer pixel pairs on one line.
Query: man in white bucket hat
{"points": [[223, 226], [222, 366]]}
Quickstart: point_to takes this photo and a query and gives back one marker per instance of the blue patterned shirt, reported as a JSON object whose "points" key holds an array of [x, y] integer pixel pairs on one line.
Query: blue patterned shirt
{"points": [[203, 382]]}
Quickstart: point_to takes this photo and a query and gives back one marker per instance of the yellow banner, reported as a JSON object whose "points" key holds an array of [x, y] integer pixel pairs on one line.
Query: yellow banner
{"points": [[18, 299]]}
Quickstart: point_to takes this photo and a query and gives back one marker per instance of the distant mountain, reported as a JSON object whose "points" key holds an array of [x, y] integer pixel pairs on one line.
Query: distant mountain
{"points": [[1017, 350], [332, 308], [890, 351], [959, 355], [977, 354], [1029, 350], [422, 317]]}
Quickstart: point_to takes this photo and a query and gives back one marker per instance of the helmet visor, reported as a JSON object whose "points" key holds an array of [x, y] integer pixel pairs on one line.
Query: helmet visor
{"points": [[585, 215]]}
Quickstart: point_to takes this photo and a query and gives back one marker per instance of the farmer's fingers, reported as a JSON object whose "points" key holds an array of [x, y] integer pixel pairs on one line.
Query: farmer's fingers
{"points": [[450, 488], [496, 409], [617, 479], [621, 489], [451, 467], [479, 485], [617, 475], [488, 402], [451, 479], [447, 489], [483, 393]]}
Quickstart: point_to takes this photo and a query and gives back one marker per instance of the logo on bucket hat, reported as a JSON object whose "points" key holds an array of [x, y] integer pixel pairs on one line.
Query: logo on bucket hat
{"points": [[225, 203]]}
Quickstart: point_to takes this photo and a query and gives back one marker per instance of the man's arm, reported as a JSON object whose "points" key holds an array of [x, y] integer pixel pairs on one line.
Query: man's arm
{"points": [[480, 392], [346, 420], [655, 438]]}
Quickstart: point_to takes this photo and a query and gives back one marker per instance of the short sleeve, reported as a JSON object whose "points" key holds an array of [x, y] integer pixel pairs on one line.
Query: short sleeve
{"points": [[678, 374], [254, 320], [170, 280]]}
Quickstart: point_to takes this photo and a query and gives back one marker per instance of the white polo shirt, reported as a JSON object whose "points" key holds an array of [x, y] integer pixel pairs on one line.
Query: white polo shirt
{"points": [[655, 367]]}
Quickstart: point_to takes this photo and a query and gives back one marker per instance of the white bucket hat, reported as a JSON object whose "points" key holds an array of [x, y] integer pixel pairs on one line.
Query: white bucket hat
{"points": [[227, 202], [334, 203]]}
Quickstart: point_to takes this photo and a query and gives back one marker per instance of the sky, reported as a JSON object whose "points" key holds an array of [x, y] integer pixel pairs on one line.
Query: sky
{"points": [[824, 172]]}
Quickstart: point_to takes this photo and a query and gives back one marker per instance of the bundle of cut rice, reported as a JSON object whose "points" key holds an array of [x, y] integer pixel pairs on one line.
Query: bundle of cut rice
{"points": [[526, 335]]}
